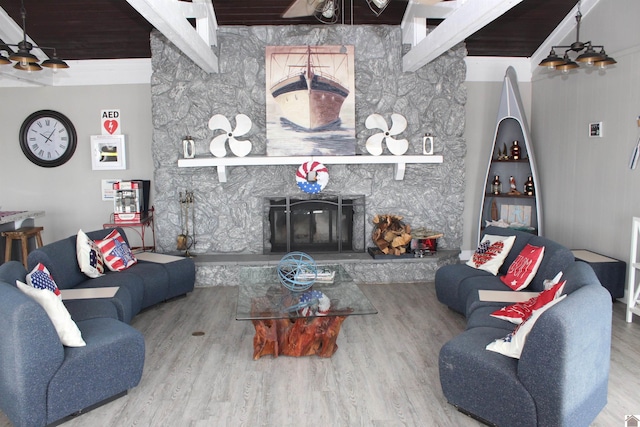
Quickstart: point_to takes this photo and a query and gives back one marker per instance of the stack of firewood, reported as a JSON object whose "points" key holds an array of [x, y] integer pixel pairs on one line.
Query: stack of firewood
{"points": [[390, 234]]}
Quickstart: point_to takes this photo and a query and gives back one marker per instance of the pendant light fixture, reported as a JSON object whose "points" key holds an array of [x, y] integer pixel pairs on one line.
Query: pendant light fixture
{"points": [[589, 55], [378, 6], [24, 59]]}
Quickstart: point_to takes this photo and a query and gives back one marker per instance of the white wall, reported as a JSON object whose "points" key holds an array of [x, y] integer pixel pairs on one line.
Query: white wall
{"points": [[70, 194], [590, 194]]}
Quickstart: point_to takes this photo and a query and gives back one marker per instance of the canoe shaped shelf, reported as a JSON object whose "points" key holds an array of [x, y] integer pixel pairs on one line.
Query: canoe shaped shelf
{"points": [[221, 163], [516, 199]]}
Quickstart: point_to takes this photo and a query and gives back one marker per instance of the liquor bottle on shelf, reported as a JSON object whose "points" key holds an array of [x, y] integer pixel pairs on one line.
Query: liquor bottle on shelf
{"points": [[496, 186], [528, 187], [515, 151]]}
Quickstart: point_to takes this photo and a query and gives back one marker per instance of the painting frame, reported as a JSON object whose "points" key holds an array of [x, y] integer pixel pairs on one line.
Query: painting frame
{"points": [[108, 152], [310, 100]]}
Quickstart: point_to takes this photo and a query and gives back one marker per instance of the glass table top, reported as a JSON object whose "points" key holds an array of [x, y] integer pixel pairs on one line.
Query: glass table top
{"points": [[262, 296]]}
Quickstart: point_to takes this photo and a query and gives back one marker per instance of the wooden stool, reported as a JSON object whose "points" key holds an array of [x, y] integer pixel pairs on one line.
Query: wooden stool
{"points": [[23, 234]]}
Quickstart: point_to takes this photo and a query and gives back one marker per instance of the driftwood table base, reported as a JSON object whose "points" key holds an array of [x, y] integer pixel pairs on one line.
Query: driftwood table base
{"points": [[304, 336]]}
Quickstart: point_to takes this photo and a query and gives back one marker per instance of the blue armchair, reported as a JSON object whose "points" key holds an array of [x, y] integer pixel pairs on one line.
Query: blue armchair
{"points": [[41, 381]]}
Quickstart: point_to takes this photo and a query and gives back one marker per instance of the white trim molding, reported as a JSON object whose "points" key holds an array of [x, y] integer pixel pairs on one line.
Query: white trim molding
{"points": [[92, 72]]}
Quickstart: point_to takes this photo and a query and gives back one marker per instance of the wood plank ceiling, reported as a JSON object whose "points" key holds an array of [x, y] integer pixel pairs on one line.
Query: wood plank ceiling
{"points": [[111, 29]]}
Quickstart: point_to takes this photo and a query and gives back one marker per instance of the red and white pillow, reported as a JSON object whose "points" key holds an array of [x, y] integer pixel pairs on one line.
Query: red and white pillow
{"points": [[42, 288], [89, 256], [513, 344], [524, 268], [117, 254], [491, 253], [519, 312]]}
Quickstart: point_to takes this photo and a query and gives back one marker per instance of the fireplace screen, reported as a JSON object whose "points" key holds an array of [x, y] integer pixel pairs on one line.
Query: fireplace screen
{"points": [[311, 225]]}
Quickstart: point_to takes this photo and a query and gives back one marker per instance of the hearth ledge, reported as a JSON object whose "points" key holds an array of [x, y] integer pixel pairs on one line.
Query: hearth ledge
{"points": [[223, 269]]}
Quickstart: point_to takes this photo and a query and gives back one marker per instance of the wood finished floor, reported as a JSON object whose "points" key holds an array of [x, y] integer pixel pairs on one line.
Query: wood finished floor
{"points": [[385, 372]]}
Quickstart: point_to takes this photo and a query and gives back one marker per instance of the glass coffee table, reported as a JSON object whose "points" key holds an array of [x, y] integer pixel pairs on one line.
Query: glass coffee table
{"points": [[298, 323]]}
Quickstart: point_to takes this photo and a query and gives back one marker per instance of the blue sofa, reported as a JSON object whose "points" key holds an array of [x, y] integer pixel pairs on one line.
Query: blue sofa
{"points": [[44, 382], [140, 286], [561, 378]]}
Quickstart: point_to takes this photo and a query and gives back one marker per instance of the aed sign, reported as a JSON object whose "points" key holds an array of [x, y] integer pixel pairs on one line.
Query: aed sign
{"points": [[110, 120]]}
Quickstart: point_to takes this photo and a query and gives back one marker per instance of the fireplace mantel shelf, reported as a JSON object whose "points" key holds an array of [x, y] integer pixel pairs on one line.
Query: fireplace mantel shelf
{"points": [[221, 163]]}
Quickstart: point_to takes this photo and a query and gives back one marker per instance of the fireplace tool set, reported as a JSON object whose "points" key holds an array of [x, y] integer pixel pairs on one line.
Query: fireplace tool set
{"points": [[187, 239]]}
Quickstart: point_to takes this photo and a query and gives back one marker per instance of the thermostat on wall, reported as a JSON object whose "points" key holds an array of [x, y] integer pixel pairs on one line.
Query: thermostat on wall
{"points": [[595, 130]]}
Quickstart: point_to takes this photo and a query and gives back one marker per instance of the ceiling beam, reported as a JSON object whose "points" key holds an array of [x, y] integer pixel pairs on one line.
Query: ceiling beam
{"points": [[466, 19], [11, 32], [170, 18], [414, 21], [560, 33]]}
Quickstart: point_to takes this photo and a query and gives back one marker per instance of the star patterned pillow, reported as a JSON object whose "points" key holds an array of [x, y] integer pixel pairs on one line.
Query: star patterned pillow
{"points": [[513, 344], [491, 253], [40, 278], [116, 252], [524, 268], [43, 289], [521, 311], [89, 256]]}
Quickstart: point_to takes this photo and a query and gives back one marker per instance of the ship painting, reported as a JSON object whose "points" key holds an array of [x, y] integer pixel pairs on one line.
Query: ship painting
{"points": [[310, 102]]}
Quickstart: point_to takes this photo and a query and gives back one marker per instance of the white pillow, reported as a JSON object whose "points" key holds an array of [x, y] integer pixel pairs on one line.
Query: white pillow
{"points": [[89, 256], [66, 328], [491, 253], [513, 343]]}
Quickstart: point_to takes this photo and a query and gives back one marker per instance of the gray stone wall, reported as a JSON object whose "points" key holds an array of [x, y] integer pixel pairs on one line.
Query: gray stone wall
{"points": [[229, 216]]}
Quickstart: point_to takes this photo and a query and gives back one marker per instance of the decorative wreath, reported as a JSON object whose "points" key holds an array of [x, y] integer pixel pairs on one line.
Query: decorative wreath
{"points": [[312, 177]]}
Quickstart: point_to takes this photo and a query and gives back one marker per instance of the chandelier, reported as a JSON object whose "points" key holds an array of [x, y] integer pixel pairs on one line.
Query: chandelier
{"points": [[24, 59], [378, 6], [589, 57]]}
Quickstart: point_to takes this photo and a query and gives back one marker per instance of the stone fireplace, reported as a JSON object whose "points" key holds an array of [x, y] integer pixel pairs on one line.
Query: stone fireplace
{"points": [[230, 215], [319, 224]]}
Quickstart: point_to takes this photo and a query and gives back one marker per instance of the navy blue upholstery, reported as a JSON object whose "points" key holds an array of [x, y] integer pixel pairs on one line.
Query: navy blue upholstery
{"points": [[110, 364], [141, 286], [457, 284], [41, 381], [561, 377]]}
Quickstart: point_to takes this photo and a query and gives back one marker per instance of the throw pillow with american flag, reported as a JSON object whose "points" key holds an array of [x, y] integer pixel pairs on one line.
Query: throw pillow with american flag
{"points": [[117, 254], [89, 256], [40, 278]]}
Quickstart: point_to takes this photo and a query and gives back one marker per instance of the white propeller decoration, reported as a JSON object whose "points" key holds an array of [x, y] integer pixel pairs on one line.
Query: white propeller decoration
{"points": [[395, 146], [239, 148]]}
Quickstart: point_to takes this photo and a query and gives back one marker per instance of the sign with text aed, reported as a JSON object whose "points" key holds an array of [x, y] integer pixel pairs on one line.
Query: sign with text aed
{"points": [[110, 120]]}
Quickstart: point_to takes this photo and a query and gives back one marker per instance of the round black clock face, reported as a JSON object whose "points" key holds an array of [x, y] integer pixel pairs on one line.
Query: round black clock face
{"points": [[48, 138]]}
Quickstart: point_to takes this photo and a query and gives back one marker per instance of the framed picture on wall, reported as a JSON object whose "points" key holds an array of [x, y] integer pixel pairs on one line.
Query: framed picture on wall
{"points": [[108, 152], [310, 100]]}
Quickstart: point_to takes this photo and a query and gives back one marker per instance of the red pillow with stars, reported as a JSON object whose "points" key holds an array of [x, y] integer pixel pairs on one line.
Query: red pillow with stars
{"points": [[524, 268], [519, 312]]}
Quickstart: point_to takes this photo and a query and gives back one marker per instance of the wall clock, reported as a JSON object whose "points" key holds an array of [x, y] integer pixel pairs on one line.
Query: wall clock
{"points": [[48, 138]]}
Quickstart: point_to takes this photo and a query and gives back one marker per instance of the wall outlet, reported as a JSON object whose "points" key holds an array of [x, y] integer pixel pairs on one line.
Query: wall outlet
{"points": [[595, 130]]}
